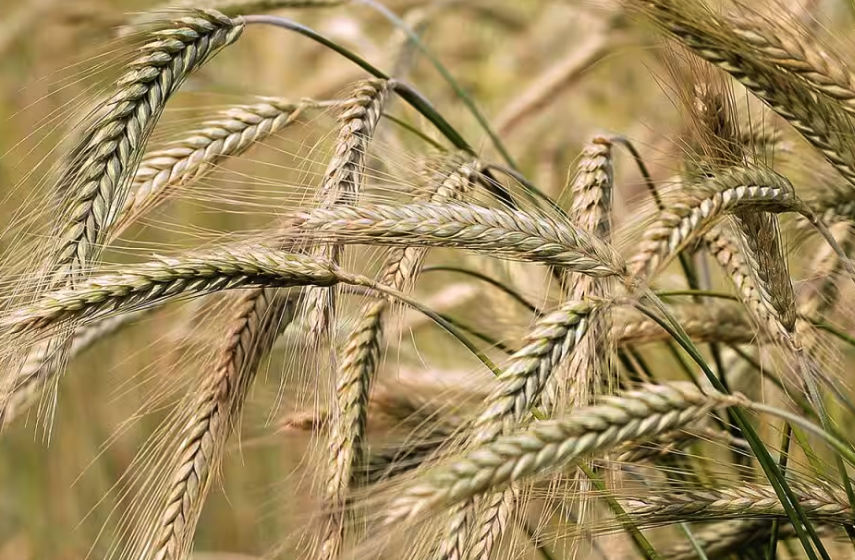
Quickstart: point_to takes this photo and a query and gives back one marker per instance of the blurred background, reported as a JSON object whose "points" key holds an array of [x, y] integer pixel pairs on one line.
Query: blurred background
{"points": [[547, 74]]}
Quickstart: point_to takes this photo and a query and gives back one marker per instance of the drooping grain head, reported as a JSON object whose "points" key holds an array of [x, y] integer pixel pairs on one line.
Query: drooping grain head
{"points": [[343, 180], [189, 158], [98, 172], [820, 120], [550, 445], [167, 533], [449, 180], [731, 190]]}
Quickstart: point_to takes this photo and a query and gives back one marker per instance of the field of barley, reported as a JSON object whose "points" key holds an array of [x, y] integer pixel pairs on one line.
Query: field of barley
{"points": [[427, 279]]}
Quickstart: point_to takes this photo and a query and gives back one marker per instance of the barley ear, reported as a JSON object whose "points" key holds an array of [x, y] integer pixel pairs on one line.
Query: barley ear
{"points": [[359, 360], [97, 176], [551, 445], [192, 156], [343, 181], [728, 191], [577, 380], [215, 413]]}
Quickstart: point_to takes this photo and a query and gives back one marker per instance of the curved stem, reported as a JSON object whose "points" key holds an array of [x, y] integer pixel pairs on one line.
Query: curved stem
{"points": [[407, 93], [484, 278], [625, 520], [437, 318], [693, 293], [844, 450], [828, 327], [642, 168], [443, 71], [414, 131], [420, 103], [477, 334], [802, 525], [832, 242], [291, 25]]}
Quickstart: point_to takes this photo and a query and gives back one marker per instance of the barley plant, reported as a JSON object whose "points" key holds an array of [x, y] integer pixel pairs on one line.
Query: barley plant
{"points": [[443, 280]]}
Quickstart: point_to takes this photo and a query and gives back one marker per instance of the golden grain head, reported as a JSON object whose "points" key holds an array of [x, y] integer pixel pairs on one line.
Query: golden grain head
{"points": [[446, 281]]}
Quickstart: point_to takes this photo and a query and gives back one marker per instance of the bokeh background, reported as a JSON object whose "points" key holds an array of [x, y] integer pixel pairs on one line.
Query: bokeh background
{"points": [[548, 75]]}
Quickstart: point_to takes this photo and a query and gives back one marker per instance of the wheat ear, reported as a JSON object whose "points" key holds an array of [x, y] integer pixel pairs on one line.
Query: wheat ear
{"points": [[591, 210], [192, 156], [583, 374], [215, 414], [511, 234], [789, 50], [747, 500], [342, 184], [820, 121], [727, 253], [98, 174], [551, 445], [554, 337], [169, 277], [729, 191], [394, 460], [716, 150], [358, 365], [160, 172], [342, 181], [765, 257], [359, 361]]}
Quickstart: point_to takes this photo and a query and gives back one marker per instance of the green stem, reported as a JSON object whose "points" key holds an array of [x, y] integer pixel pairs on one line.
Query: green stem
{"points": [[642, 168], [484, 278], [420, 103], [439, 320], [291, 25], [407, 93], [530, 187], [786, 437], [477, 334], [414, 131], [809, 379], [844, 450], [845, 337], [443, 71], [449, 327], [832, 242], [801, 524], [698, 549], [693, 293], [684, 366]]}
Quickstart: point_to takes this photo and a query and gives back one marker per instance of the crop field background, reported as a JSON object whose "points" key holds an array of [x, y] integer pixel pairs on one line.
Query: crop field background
{"points": [[440, 279]]}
